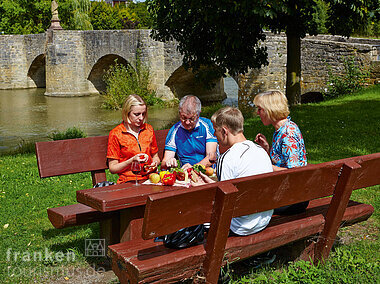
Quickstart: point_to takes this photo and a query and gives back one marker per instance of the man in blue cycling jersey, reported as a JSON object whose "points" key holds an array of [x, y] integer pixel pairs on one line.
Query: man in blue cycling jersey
{"points": [[190, 139]]}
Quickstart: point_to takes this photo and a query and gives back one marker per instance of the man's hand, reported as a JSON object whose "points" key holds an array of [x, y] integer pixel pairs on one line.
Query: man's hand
{"points": [[202, 179], [186, 166], [171, 163]]}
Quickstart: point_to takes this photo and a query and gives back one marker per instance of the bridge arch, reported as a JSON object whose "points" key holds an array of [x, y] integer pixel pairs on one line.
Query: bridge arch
{"points": [[37, 71], [100, 68], [182, 82]]}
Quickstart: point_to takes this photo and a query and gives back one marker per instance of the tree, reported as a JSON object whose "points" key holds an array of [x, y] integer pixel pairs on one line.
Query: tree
{"points": [[226, 34], [24, 17], [229, 34], [297, 18], [80, 18], [104, 17]]}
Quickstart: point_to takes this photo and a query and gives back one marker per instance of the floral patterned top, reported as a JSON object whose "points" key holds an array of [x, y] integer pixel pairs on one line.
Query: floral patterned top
{"points": [[288, 148]]}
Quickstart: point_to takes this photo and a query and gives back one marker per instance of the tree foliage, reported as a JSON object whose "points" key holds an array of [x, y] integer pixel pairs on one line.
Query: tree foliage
{"points": [[32, 17], [229, 34], [224, 33], [122, 80], [81, 20], [105, 17], [24, 17]]}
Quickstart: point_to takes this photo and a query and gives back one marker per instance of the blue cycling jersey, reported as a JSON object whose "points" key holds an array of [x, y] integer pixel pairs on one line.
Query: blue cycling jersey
{"points": [[190, 146]]}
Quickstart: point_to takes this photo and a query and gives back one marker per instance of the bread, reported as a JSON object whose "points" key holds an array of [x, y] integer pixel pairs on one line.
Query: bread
{"points": [[193, 176]]}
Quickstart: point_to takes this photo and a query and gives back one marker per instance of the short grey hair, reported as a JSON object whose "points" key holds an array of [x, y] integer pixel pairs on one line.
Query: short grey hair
{"points": [[190, 104]]}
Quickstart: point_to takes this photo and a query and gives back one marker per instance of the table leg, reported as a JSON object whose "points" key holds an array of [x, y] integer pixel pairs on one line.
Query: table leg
{"points": [[131, 220], [110, 230]]}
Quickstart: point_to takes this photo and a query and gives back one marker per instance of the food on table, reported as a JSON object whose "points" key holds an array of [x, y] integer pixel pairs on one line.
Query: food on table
{"points": [[148, 169], [162, 173], [168, 179], [154, 178], [193, 175], [199, 168], [209, 171], [179, 174]]}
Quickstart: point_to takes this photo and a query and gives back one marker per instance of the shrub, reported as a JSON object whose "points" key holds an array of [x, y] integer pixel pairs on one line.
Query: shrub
{"points": [[70, 133], [353, 79], [23, 147], [122, 81]]}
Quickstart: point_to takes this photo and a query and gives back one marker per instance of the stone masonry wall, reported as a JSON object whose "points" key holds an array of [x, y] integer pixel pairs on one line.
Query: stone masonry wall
{"points": [[16, 55], [65, 64], [319, 54]]}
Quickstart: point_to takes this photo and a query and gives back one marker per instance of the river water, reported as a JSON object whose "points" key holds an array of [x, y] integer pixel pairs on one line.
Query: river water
{"points": [[26, 115]]}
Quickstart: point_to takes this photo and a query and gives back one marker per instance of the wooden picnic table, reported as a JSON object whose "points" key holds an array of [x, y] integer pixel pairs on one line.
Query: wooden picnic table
{"points": [[129, 200]]}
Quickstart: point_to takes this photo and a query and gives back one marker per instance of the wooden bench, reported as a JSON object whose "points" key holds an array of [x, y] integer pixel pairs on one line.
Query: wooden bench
{"points": [[62, 157], [144, 261]]}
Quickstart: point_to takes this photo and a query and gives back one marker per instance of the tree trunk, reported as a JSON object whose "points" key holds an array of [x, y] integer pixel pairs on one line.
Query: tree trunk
{"points": [[293, 69]]}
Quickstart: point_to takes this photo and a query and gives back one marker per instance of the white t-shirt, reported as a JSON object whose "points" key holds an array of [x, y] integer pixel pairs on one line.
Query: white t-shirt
{"points": [[241, 160]]}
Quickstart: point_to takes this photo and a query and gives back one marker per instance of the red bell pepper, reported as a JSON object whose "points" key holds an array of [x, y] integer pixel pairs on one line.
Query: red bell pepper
{"points": [[168, 179]]}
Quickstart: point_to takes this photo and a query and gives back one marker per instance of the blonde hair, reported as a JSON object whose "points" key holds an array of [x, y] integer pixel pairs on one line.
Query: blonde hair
{"points": [[132, 100], [230, 117], [274, 103]]}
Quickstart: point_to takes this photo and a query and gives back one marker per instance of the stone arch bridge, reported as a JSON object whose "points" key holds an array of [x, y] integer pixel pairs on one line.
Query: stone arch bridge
{"points": [[72, 63]]}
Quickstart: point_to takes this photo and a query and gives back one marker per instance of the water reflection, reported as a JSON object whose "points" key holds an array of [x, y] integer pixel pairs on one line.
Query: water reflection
{"points": [[27, 115], [30, 116]]}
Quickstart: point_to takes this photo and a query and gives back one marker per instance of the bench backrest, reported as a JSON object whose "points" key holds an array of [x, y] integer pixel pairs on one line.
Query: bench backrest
{"points": [[254, 194], [62, 157], [218, 203]]}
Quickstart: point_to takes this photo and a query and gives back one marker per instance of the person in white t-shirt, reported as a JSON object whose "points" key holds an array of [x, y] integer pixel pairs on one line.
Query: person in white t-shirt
{"points": [[243, 158]]}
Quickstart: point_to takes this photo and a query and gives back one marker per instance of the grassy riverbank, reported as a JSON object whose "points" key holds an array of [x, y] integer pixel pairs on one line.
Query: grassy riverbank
{"points": [[32, 250]]}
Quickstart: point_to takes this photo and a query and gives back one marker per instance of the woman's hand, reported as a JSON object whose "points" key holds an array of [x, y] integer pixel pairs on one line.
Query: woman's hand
{"points": [[262, 141], [141, 158]]}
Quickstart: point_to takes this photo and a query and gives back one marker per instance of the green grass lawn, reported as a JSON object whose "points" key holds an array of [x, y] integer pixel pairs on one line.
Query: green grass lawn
{"points": [[32, 250]]}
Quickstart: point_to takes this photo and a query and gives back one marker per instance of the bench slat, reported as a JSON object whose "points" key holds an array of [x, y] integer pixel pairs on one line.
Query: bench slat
{"points": [[146, 261], [370, 174], [178, 208], [76, 214], [71, 156], [284, 188]]}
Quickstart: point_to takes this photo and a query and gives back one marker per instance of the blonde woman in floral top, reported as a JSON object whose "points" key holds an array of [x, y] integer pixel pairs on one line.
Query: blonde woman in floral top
{"points": [[288, 147]]}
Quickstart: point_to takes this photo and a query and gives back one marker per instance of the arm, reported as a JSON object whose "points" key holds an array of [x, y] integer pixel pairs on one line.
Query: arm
{"points": [[156, 159], [210, 147], [277, 169], [117, 167]]}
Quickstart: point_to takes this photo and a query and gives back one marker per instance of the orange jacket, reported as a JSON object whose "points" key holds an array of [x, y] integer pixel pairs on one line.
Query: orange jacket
{"points": [[123, 145]]}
